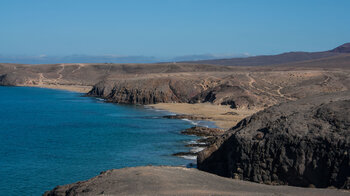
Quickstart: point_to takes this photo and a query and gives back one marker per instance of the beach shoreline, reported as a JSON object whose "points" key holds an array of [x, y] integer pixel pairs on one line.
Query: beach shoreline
{"points": [[223, 116]]}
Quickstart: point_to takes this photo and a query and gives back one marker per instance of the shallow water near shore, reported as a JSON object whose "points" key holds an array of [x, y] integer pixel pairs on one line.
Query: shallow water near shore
{"points": [[54, 137]]}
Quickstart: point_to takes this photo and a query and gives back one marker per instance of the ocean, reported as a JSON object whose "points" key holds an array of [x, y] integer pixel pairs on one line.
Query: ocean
{"points": [[55, 137]]}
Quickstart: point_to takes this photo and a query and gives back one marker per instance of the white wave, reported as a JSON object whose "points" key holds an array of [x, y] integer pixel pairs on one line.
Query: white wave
{"points": [[195, 142], [157, 110], [189, 157], [196, 149], [152, 108], [190, 121]]}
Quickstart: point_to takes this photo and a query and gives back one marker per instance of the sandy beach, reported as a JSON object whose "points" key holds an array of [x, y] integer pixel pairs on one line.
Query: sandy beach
{"points": [[223, 116]]}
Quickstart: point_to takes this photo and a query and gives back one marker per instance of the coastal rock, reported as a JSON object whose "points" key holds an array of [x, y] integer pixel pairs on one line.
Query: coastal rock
{"points": [[185, 116], [300, 143], [181, 154], [203, 131], [208, 137]]}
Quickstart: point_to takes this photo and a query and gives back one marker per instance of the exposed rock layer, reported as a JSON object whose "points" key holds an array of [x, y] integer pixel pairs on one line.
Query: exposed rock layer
{"points": [[300, 143]]}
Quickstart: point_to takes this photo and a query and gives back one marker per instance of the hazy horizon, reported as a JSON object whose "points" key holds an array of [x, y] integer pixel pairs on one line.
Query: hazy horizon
{"points": [[111, 58], [46, 59]]}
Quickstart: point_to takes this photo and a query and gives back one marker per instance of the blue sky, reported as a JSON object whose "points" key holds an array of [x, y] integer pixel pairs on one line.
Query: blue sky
{"points": [[171, 28]]}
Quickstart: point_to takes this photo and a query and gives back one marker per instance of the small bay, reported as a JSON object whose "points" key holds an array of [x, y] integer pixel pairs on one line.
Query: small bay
{"points": [[54, 137]]}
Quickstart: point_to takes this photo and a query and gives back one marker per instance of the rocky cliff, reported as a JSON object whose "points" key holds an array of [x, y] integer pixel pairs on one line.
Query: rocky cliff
{"points": [[147, 90], [300, 143]]}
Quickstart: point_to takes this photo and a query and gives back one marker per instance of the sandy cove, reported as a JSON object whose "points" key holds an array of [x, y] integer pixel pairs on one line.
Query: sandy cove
{"points": [[223, 116]]}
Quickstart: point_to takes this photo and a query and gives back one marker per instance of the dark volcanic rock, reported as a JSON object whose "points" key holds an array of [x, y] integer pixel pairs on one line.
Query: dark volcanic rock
{"points": [[230, 113], [203, 131], [301, 143], [208, 137], [345, 48], [146, 91], [179, 154], [184, 116]]}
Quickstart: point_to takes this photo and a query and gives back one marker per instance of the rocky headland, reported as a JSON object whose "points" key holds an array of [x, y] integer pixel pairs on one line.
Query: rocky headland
{"points": [[300, 143]]}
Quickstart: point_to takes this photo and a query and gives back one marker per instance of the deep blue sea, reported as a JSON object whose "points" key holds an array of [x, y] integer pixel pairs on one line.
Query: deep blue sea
{"points": [[53, 137]]}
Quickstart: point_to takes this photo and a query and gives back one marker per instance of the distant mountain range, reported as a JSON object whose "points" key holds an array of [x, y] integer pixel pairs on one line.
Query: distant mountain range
{"points": [[44, 59], [283, 58], [212, 59]]}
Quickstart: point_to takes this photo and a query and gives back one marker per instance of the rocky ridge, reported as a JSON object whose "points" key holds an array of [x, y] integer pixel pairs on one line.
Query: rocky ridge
{"points": [[300, 143], [165, 180]]}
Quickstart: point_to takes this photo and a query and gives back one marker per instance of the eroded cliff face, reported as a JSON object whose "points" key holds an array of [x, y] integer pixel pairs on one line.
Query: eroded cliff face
{"points": [[226, 93], [147, 91], [16, 79], [175, 90], [301, 143]]}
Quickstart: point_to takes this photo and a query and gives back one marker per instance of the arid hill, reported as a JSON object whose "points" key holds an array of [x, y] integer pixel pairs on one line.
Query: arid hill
{"points": [[283, 58], [188, 83]]}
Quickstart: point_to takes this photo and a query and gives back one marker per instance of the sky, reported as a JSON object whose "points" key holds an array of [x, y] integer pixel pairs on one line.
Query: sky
{"points": [[171, 27]]}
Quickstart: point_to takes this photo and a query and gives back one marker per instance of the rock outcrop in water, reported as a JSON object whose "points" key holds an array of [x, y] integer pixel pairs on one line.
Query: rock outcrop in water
{"points": [[207, 138], [300, 143], [203, 131]]}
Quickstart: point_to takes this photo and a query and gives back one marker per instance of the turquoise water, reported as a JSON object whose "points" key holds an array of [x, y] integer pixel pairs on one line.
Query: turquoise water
{"points": [[52, 137]]}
